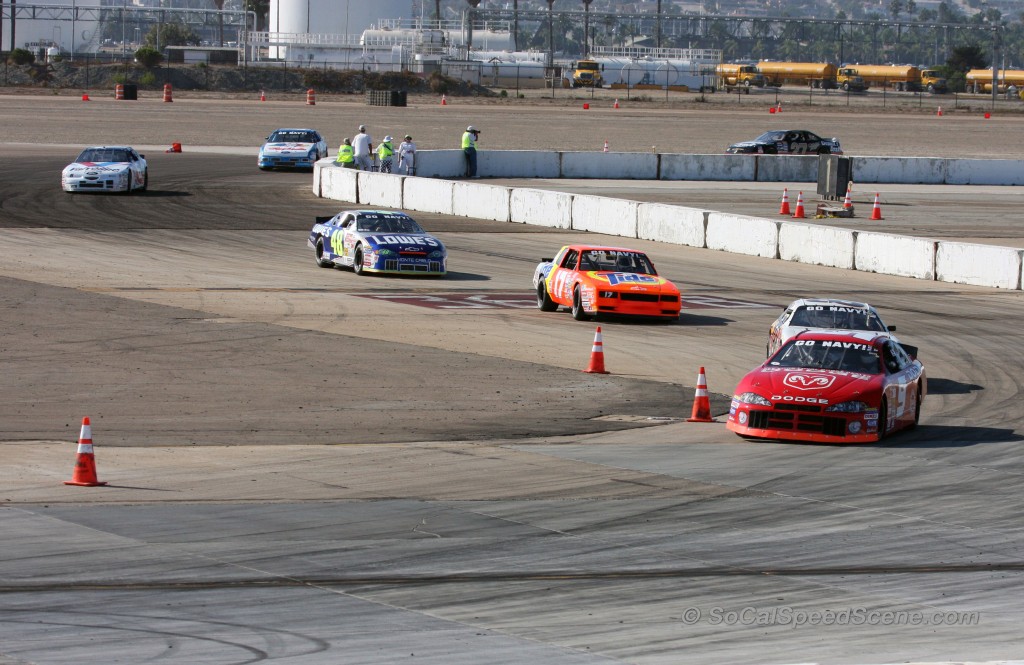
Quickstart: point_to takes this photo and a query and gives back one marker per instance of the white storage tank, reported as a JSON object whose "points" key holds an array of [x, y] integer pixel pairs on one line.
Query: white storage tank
{"points": [[338, 17]]}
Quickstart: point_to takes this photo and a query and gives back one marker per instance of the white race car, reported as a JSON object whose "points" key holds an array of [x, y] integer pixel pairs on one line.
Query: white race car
{"points": [[106, 169], [292, 149], [827, 314]]}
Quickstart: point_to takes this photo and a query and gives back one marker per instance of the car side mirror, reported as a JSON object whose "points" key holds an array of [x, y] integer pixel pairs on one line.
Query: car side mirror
{"points": [[142, 156]]}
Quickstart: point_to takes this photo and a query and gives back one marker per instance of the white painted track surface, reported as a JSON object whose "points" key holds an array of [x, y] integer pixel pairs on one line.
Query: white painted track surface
{"points": [[205, 321]]}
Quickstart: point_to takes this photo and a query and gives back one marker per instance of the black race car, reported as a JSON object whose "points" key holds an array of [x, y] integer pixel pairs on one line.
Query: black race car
{"points": [[787, 142]]}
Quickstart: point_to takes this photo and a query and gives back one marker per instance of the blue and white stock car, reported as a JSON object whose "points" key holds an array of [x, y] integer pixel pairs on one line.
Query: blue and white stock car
{"points": [[106, 169], [292, 149], [377, 241]]}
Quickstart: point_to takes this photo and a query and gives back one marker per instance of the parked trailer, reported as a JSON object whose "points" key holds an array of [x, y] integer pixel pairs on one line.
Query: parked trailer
{"points": [[813, 74], [980, 80]]}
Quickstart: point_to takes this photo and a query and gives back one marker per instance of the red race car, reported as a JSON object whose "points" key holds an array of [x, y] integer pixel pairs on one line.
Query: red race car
{"points": [[830, 387], [595, 280]]}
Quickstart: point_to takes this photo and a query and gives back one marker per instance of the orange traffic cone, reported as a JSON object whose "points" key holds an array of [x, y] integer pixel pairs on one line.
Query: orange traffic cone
{"points": [[784, 208], [848, 201], [701, 404], [263, 96], [85, 97], [605, 146], [771, 109], [616, 104], [799, 212], [596, 365], [778, 109], [876, 211], [175, 147], [85, 465], [444, 100], [939, 112], [168, 97]]}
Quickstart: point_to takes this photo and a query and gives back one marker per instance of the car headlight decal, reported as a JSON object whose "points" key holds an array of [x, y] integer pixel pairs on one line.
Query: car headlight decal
{"points": [[753, 398], [852, 406]]}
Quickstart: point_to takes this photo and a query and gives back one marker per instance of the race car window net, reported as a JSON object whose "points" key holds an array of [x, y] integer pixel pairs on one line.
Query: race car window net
{"points": [[858, 358], [836, 318]]}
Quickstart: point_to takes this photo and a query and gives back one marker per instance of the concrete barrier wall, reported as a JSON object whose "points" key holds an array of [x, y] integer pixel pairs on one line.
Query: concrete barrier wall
{"points": [[985, 172], [708, 167], [429, 195], [981, 265], [604, 215], [899, 170], [339, 184], [470, 199], [817, 245], [786, 168], [380, 189], [443, 164], [610, 165], [514, 163], [541, 207], [673, 224], [895, 255], [741, 234]]}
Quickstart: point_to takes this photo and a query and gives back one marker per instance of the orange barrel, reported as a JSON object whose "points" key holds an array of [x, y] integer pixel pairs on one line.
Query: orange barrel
{"points": [[167, 93], [310, 97], [119, 91]]}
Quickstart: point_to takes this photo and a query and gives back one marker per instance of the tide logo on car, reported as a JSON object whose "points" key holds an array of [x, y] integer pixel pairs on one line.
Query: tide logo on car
{"points": [[615, 278], [809, 381]]}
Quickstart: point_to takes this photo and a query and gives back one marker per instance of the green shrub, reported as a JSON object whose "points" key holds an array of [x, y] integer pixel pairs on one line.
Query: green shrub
{"points": [[119, 78], [504, 93], [148, 79], [148, 57], [21, 56]]}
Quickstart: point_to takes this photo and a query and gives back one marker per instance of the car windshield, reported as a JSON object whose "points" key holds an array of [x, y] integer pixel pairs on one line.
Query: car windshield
{"points": [[836, 317], [291, 136], [104, 155], [828, 354], [616, 261], [391, 224], [770, 137]]}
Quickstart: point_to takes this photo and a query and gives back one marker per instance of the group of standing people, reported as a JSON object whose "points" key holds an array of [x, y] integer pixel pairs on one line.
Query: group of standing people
{"points": [[358, 153]]}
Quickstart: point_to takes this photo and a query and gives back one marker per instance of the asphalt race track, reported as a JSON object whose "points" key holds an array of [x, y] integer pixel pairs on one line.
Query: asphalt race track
{"points": [[307, 466]]}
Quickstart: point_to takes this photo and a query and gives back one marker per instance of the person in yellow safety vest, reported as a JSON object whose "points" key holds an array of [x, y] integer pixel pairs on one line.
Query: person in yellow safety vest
{"points": [[469, 139], [346, 155], [385, 153]]}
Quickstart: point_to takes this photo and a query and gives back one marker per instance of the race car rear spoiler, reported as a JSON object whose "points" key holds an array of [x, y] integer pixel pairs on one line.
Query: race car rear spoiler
{"points": [[911, 350], [321, 220]]}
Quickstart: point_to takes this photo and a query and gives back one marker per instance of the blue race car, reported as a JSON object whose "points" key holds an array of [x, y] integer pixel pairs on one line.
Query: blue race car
{"points": [[377, 241], [292, 149]]}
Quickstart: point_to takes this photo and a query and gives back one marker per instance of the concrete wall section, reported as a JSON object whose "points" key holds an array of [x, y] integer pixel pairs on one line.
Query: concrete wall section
{"points": [[673, 224], [985, 172], [740, 234], [786, 168], [470, 199], [902, 170], [895, 255], [541, 207], [428, 195], [443, 164], [380, 189], [708, 167], [339, 184], [603, 215], [981, 265], [518, 163], [610, 165], [817, 245]]}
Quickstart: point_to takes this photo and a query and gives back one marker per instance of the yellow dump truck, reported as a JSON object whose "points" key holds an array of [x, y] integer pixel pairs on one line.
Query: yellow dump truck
{"points": [[813, 74], [904, 78], [733, 76], [980, 80], [587, 74]]}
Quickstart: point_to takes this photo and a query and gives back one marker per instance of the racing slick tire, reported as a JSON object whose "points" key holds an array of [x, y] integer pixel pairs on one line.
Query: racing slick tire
{"points": [[145, 181], [357, 261], [883, 420], [578, 312], [320, 260], [544, 301], [917, 408]]}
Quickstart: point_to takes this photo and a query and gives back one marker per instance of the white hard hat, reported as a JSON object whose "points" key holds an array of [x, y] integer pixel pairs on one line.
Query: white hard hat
{"points": [[471, 128], [387, 138]]}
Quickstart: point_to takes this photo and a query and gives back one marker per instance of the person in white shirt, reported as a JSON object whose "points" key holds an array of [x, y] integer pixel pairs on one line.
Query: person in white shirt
{"points": [[407, 156], [362, 145]]}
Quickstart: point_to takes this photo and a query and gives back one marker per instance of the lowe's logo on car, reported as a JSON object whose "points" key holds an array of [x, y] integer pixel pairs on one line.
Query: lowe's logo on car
{"points": [[405, 240], [630, 278], [809, 381]]}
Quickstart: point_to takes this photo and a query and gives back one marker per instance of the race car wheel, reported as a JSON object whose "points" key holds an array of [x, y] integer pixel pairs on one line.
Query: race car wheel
{"points": [[883, 420], [320, 260], [145, 181], [578, 312], [357, 261], [544, 301], [917, 408]]}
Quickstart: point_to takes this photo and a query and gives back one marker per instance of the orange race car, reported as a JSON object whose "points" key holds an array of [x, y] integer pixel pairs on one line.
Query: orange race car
{"points": [[595, 280]]}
